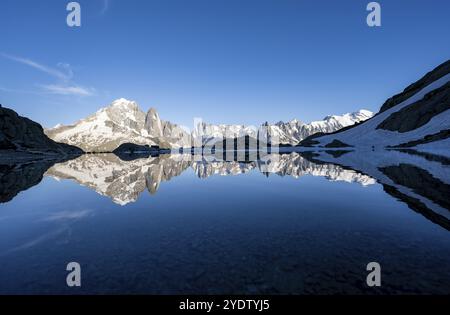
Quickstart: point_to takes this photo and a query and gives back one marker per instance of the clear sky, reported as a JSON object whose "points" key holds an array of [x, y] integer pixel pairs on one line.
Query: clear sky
{"points": [[227, 61]]}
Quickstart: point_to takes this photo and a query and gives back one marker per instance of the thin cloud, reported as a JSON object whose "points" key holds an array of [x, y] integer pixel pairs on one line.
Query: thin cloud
{"points": [[64, 74], [51, 71], [68, 90]]}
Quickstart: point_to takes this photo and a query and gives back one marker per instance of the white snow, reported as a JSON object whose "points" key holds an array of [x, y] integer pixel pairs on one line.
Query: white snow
{"points": [[369, 163], [366, 135], [291, 132]]}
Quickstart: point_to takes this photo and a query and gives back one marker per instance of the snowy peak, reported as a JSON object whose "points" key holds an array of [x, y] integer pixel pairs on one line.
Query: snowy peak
{"points": [[291, 132], [120, 122], [123, 111], [295, 131], [419, 118], [362, 114], [124, 122], [124, 103]]}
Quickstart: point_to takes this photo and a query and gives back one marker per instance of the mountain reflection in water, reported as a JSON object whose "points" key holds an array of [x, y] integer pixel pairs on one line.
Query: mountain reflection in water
{"points": [[123, 181], [418, 180], [227, 226]]}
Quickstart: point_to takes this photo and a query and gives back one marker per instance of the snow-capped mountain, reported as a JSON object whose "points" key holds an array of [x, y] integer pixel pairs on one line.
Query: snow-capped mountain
{"points": [[124, 122], [121, 122], [108, 128], [295, 131], [282, 132], [418, 117]]}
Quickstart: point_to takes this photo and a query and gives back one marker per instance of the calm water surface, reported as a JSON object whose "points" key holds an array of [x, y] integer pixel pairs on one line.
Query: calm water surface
{"points": [[167, 225]]}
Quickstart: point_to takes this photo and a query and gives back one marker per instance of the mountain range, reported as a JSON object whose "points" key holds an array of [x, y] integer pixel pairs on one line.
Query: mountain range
{"points": [[124, 122], [416, 118]]}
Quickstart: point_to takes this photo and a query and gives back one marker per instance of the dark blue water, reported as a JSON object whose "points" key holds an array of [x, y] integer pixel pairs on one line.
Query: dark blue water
{"points": [[247, 233]]}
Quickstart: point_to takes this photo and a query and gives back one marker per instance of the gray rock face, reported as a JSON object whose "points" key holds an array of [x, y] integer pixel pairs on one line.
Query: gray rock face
{"points": [[153, 123], [170, 135], [419, 113], [24, 135]]}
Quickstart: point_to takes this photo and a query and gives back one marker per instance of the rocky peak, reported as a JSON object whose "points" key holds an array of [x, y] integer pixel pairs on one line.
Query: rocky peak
{"points": [[153, 123], [124, 103]]}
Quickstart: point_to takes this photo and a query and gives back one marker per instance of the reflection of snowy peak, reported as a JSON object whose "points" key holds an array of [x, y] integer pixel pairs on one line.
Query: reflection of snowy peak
{"points": [[204, 169], [295, 165], [124, 181]]}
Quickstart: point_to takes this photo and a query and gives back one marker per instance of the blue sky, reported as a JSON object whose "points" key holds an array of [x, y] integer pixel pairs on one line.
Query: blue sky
{"points": [[228, 61]]}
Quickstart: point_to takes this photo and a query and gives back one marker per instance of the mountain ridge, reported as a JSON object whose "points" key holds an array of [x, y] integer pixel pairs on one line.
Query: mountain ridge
{"points": [[419, 115], [124, 122]]}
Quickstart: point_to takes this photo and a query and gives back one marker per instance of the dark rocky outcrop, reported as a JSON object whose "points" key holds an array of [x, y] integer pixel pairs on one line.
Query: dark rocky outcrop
{"points": [[20, 134], [418, 206], [419, 113], [135, 148], [309, 141], [427, 156], [430, 77], [420, 181], [132, 151], [418, 116], [337, 153], [16, 178], [443, 134], [337, 144]]}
